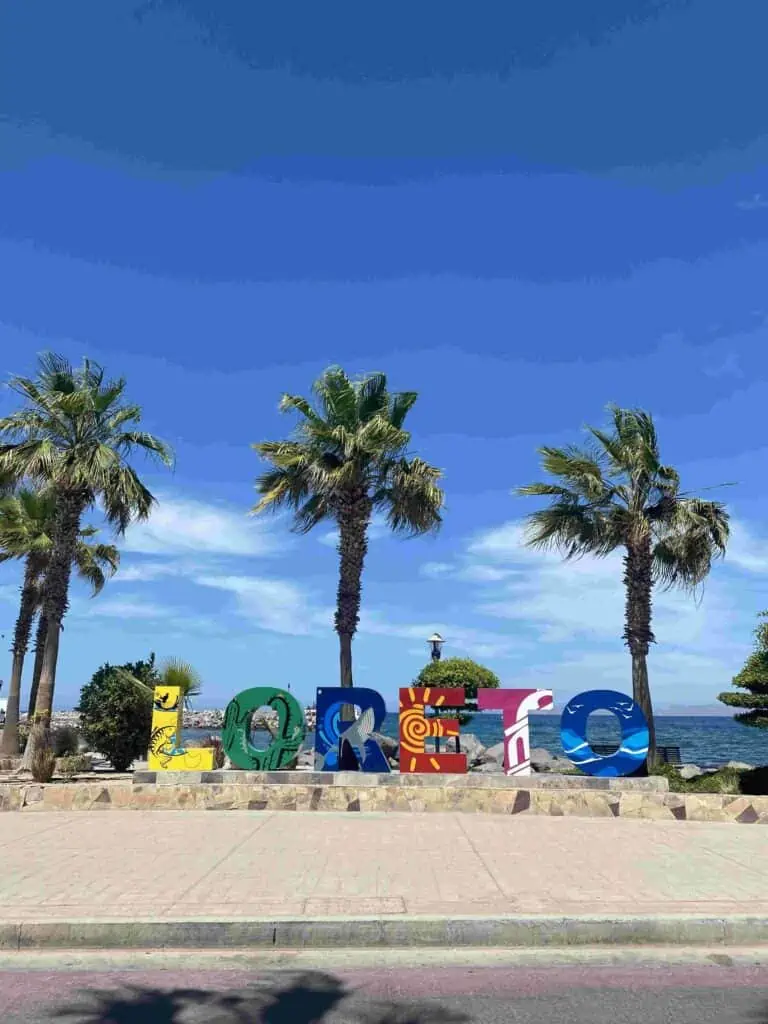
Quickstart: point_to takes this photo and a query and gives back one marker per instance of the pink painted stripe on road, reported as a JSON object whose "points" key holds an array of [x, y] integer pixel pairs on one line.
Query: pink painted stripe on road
{"points": [[44, 987]]}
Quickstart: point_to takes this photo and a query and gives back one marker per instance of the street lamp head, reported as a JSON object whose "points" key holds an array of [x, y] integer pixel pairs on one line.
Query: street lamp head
{"points": [[436, 642]]}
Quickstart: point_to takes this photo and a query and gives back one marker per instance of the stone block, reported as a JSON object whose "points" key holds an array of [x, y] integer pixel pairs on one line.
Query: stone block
{"points": [[32, 798], [645, 805], [10, 798], [585, 803], [705, 807]]}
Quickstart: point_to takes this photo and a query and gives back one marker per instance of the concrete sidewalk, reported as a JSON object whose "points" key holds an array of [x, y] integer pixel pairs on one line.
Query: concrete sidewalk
{"points": [[203, 876]]}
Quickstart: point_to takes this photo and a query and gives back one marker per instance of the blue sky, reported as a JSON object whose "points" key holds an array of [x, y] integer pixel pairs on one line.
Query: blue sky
{"points": [[521, 213]]}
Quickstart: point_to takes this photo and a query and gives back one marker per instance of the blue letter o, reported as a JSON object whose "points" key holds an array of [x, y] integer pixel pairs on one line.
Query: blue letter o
{"points": [[633, 749]]}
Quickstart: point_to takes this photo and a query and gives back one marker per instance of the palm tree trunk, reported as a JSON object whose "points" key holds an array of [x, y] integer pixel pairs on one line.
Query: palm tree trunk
{"points": [[42, 629], [354, 515], [9, 746], [69, 510], [638, 635]]}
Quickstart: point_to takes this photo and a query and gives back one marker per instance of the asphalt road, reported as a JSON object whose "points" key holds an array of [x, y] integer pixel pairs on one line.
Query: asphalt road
{"points": [[451, 988]]}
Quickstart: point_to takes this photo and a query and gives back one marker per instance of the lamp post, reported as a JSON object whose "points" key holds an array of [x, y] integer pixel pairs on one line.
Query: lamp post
{"points": [[436, 642]]}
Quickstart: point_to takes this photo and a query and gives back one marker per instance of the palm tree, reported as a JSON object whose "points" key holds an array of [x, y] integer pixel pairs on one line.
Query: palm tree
{"points": [[26, 526], [71, 436], [173, 672], [40, 634], [615, 493], [349, 457]]}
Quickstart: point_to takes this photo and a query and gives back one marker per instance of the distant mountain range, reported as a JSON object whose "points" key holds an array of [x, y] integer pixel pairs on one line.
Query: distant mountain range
{"points": [[696, 710], [673, 710]]}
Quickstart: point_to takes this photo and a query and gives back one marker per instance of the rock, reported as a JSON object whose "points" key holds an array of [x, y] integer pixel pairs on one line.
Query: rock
{"points": [[557, 766], [543, 761], [739, 766], [540, 754], [469, 744], [389, 747], [691, 771], [495, 753], [488, 768], [306, 759]]}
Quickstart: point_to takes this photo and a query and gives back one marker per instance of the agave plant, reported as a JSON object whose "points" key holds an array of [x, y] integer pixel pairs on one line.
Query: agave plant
{"points": [[172, 672]]}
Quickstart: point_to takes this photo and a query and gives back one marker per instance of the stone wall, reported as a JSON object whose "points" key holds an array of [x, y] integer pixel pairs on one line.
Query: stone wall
{"points": [[429, 793]]}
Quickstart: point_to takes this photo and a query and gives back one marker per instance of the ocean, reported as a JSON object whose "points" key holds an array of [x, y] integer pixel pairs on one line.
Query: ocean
{"points": [[707, 741]]}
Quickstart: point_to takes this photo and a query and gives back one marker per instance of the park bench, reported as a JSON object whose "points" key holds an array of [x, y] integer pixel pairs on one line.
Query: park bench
{"points": [[669, 755]]}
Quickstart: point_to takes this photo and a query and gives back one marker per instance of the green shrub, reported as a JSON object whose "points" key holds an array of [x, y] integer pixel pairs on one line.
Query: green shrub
{"points": [[457, 672], [23, 736], [454, 673], [74, 764], [726, 780], [116, 714], [65, 740], [43, 764]]}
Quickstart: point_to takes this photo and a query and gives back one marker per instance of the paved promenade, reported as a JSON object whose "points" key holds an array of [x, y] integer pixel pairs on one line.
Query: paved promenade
{"points": [[240, 864]]}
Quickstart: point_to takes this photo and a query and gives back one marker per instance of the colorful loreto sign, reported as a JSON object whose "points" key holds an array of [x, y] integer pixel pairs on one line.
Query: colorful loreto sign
{"points": [[343, 746]]}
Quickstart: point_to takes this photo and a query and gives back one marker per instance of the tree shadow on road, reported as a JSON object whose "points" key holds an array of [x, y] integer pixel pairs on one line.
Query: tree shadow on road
{"points": [[307, 997]]}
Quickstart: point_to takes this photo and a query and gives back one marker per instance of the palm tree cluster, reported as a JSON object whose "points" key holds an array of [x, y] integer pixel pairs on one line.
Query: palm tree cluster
{"points": [[67, 452], [64, 453]]}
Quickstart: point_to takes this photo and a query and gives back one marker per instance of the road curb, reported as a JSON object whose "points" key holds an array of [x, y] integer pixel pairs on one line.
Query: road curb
{"points": [[532, 931]]}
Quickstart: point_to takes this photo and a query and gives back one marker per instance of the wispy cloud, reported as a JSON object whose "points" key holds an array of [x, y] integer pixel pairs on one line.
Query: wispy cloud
{"points": [[180, 526], [573, 615], [729, 367], [285, 607], [279, 606], [584, 598], [437, 570], [746, 550], [756, 202], [477, 642], [470, 573], [145, 572], [125, 608]]}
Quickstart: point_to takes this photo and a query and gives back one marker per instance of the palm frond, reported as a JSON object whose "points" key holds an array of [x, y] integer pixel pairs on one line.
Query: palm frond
{"points": [[130, 440], [411, 497], [296, 403], [282, 487], [337, 396], [125, 414], [354, 448], [69, 436], [400, 405], [689, 540], [94, 562], [571, 528], [579, 467], [313, 511], [175, 672], [372, 397], [125, 498], [543, 490]]}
